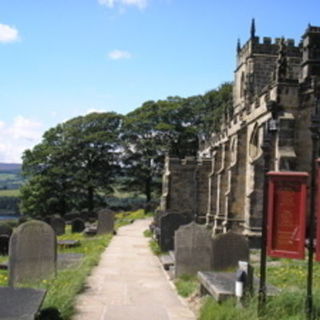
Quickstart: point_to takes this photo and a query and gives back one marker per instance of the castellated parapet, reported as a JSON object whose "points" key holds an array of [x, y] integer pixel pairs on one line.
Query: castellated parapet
{"points": [[225, 191]]}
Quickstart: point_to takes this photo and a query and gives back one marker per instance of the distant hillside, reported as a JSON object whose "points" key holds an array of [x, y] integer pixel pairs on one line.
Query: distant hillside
{"points": [[10, 167]]}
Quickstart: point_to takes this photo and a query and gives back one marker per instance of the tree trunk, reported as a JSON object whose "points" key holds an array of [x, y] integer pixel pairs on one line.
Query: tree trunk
{"points": [[90, 200], [148, 189]]}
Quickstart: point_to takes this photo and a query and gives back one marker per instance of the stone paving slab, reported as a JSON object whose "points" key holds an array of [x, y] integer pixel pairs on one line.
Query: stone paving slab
{"points": [[129, 283]]}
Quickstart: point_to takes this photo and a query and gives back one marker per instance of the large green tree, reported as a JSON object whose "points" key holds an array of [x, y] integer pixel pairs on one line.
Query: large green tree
{"points": [[75, 163], [175, 126]]}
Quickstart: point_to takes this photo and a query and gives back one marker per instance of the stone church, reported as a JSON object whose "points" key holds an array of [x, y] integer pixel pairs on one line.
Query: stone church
{"points": [[276, 91]]}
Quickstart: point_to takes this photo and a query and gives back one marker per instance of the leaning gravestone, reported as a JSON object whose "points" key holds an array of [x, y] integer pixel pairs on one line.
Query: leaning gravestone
{"points": [[192, 249], [229, 248], [32, 253], [169, 223], [77, 225], [58, 225], [5, 229], [4, 244], [105, 221]]}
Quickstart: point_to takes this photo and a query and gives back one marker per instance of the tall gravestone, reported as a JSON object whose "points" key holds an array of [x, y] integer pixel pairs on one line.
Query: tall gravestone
{"points": [[105, 221], [77, 225], [169, 223], [229, 248], [192, 249], [58, 225], [32, 253]]}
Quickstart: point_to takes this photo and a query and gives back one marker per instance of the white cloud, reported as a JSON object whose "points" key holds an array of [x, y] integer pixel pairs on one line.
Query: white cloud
{"points": [[119, 54], [15, 137], [141, 4], [8, 34]]}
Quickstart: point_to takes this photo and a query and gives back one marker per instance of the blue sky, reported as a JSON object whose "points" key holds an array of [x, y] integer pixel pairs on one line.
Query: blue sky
{"points": [[63, 58]]}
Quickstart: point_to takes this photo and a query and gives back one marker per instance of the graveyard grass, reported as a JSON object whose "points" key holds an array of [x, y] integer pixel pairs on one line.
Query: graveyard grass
{"points": [[10, 193], [289, 276], [186, 285], [153, 244], [125, 218], [69, 282]]}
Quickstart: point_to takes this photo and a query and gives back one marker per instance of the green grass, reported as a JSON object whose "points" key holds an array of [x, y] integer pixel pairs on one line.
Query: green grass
{"points": [[10, 193], [7, 176], [186, 285], [69, 282], [285, 306], [289, 276], [62, 290], [155, 248], [147, 233], [125, 218]]}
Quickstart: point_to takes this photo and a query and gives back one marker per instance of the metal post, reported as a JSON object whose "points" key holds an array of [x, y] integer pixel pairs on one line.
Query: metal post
{"points": [[266, 148], [314, 128], [268, 144]]}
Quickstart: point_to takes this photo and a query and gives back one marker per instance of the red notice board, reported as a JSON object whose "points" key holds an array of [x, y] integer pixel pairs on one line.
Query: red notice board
{"points": [[317, 208], [287, 207]]}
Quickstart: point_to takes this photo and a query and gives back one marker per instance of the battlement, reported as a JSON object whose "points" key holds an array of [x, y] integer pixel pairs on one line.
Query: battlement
{"points": [[269, 46], [311, 29]]}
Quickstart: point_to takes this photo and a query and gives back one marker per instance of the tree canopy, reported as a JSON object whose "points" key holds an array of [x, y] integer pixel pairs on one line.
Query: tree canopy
{"points": [[74, 162], [77, 162]]}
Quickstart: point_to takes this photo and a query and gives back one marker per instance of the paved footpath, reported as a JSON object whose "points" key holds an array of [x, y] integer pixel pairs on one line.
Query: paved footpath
{"points": [[129, 283]]}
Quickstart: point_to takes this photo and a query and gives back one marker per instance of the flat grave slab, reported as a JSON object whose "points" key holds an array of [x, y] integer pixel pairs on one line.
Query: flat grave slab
{"points": [[166, 261], [69, 260], [90, 231], [218, 284], [221, 285], [20, 303], [68, 243], [64, 260]]}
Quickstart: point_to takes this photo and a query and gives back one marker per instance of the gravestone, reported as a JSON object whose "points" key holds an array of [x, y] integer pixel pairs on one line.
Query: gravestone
{"points": [[105, 221], [229, 248], [169, 223], [20, 303], [77, 225], [32, 253], [4, 244], [192, 249], [5, 229], [58, 225]]}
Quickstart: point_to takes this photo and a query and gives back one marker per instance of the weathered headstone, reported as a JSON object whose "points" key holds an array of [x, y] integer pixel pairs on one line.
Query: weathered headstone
{"points": [[4, 244], [192, 249], [58, 225], [105, 221], [32, 253], [77, 225], [169, 223], [5, 229], [229, 248]]}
